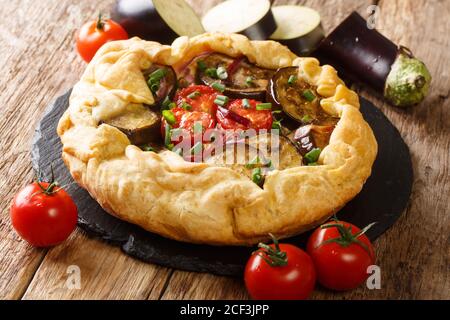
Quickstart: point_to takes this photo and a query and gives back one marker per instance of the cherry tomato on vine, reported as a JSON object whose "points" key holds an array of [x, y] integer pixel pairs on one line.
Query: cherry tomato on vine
{"points": [[43, 214], [95, 34], [279, 272], [341, 254]]}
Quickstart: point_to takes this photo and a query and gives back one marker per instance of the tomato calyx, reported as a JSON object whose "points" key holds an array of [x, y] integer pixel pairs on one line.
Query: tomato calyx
{"points": [[346, 236], [50, 189], [274, 257], [100, 22]]}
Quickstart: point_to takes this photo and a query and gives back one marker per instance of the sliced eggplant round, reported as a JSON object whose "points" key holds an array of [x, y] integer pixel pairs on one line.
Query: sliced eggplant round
{"points": [[162, 81], [297, 98], [309, 137], [241, 78], [139, 123], [299, 28], [258, 152], [252, 18], [158, 20]]}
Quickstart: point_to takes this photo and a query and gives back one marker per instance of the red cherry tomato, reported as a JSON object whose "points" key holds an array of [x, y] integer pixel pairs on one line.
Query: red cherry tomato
{"points": [[95, 34], [342, 263], [186, 120], [293, 279], [43, 218], [198, 97], [259, 119]]}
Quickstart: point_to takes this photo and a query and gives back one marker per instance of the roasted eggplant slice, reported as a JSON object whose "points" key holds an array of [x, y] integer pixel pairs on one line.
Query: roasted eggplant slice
{"points": [[258, 153], [297, 98], [139, 123], [312, 136], [241, 78], [162, 81]]}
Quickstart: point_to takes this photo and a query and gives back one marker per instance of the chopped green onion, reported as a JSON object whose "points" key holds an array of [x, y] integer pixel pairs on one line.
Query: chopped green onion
{"points": [[313, 164], [167, 136], [313, 155], [276, 124], [246, 103], [186, 106], [194, 95], [198, 127], [172, 105], [201, 65], [257, 162], [292, 79], [154, 87], [221, 100], [264, 106], [309, 95], [276, 111], [257, 176], [222, 73], [147, 147], [249, 81], [197, 148], [211, 72], [166, 103], [169, 116], [218, 86], [157, 75], [307, 119]]}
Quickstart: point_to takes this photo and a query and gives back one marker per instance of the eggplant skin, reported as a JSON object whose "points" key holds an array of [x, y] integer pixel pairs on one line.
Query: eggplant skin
{"points": [[239, 69], [291, 100], [140, 18], [139, 123]]}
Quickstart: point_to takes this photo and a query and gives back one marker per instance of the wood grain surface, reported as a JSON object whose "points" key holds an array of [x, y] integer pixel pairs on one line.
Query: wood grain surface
{"points": [[39, 62]]}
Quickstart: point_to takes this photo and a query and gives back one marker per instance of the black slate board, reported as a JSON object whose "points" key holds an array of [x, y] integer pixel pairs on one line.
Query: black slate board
{"points": [[383, 199]]}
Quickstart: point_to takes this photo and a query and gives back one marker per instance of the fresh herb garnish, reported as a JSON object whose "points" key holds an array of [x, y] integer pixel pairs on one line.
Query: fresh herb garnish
{"points": [[169, 116], [309, 95], [218, 86], [249, 81], [307, 119], [292, 79], [186, 106], [245, 103], [221, 100], [313, 155], [257, 176], [194, 95], [211, 72], [264, 106], [222, 73], [201, 65], [154, 79]]}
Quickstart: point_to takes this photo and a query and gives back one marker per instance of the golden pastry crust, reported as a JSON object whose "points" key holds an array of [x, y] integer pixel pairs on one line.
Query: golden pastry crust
{"points": [[198, 202]]}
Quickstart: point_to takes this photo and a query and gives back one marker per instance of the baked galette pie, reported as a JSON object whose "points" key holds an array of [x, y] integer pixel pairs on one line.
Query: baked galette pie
{"points": [[215, 139]]}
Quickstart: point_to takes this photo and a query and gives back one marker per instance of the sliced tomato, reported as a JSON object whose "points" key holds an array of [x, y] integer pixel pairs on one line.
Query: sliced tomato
{"points": [[187, 120], [198, 97], [258, 119]]}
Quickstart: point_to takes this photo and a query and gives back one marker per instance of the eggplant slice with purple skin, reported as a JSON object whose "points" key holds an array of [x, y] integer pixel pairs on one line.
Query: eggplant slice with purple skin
{"points": [[258, 153], [311, 136], [139, 123], [297, 98], [166, 84], [241, 78]]}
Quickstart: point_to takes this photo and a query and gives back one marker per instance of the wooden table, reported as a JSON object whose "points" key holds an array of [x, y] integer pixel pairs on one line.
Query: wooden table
{"points": [[39, 62]]}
